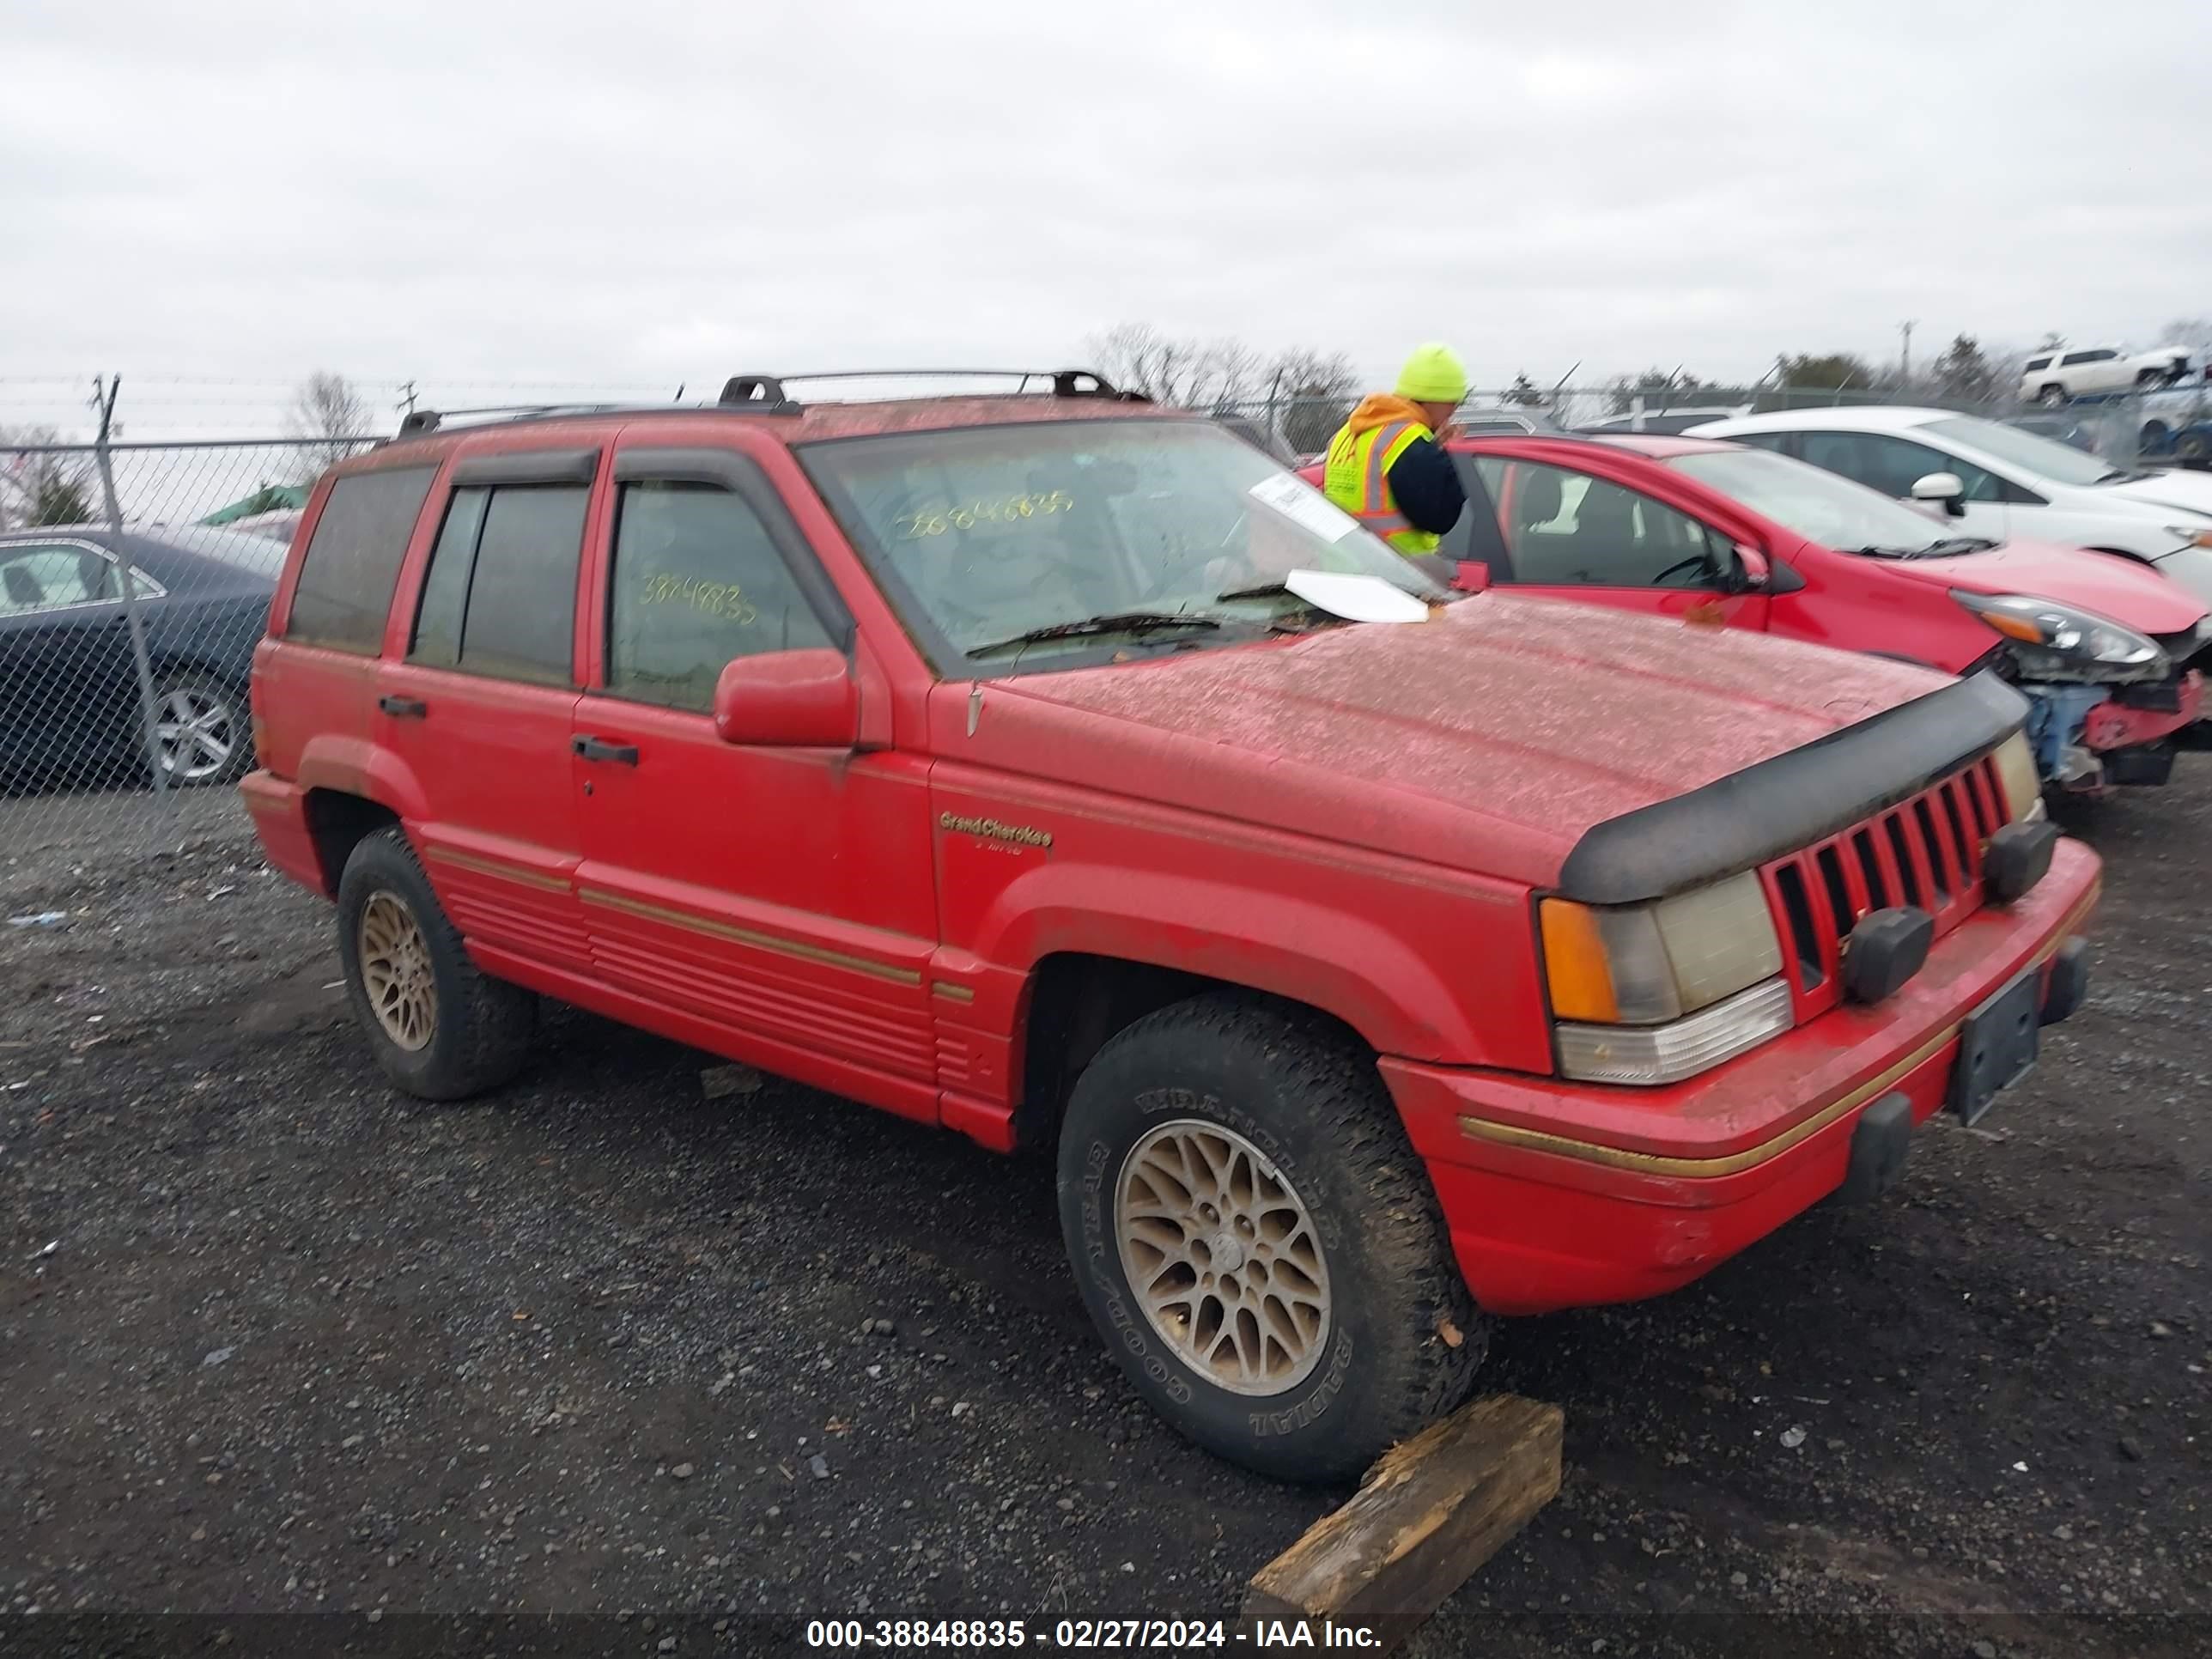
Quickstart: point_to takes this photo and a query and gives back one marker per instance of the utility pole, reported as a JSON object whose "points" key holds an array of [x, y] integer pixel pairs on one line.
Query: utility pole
{"points": [[1904, 357], [406, 398]]}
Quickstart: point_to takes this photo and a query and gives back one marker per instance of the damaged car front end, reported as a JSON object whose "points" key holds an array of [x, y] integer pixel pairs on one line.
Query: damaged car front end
{"points": [[2105, 702]]}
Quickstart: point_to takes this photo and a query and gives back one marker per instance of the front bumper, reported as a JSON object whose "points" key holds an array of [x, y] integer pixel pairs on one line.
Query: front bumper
{"points": [[2088, 737], [2141, 714], [1561, 1194]]}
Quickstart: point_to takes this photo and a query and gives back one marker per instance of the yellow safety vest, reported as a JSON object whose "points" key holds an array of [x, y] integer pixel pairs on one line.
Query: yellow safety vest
{"points": [[1357, 479]]}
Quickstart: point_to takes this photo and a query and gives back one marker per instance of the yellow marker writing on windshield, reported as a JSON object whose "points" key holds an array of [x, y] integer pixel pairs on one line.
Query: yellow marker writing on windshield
{"points": [[999, 509]]}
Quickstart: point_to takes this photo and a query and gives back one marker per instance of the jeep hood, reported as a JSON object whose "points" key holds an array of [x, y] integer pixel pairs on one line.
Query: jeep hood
{"points": [[1489, 740]]}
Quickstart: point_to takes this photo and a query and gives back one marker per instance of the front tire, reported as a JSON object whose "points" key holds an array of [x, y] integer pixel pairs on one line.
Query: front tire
{"points": [[440, 1027], [1258, 1244], [2052, 396]]}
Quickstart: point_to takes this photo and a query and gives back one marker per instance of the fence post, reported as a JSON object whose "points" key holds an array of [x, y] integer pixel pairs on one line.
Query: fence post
{"points": [[103, 400]]}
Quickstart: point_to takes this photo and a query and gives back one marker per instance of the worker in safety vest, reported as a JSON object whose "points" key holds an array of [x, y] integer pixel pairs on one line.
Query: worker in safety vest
{"points": [[1386, 466]]}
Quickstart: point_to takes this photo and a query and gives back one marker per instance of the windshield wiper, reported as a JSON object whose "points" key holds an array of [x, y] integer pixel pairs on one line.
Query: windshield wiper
{"points": [[1278, 589], [2119, 475], [1951, 545], [1884, 552], [1119, 622]]}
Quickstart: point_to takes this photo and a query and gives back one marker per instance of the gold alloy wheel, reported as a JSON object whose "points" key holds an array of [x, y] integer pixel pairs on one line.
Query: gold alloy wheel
{"points": [[1224, 1257], [395, 970]]}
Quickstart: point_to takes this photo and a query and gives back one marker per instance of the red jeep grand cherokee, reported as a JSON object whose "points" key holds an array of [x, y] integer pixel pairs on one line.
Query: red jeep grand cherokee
{"points": [[1023, 764]]}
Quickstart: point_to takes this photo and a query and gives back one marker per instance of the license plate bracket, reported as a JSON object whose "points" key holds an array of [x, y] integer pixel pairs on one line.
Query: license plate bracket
{"points": [[1997, 1046]]}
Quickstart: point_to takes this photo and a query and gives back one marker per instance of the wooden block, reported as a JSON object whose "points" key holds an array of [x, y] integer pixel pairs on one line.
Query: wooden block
{"points": [[1433, 1509]]}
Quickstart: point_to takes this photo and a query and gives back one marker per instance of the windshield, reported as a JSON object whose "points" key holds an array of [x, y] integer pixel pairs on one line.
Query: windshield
{"points": [[2045, 457], [982, 534], [1820, 506]]}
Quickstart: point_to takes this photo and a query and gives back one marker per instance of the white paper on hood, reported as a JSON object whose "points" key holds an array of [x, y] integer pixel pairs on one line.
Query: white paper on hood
{"points": [[1357, 598], [1304, 506]]}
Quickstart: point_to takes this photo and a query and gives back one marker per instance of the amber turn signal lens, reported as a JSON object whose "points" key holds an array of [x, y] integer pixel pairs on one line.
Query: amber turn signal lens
{"points": [[2018, 628], [1574, 963]]}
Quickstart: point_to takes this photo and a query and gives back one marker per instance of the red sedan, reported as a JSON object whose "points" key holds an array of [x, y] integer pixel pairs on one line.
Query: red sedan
{"points": [[2105, 649]]}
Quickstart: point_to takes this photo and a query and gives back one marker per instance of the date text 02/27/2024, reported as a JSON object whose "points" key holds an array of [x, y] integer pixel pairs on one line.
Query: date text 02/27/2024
{"points": [[1133, 1635]]}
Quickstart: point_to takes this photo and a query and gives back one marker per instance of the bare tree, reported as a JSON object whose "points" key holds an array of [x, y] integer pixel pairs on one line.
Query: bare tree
{"points": [[1203, 374], [1311, 392], [2195, 333], [1964, 373], [328, 410], [1305, 393], [1830, 371], [1655, 385], [41, 489]]}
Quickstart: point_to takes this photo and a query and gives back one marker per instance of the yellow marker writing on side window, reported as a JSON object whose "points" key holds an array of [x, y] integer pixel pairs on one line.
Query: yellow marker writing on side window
{"points": [[723, 599]]}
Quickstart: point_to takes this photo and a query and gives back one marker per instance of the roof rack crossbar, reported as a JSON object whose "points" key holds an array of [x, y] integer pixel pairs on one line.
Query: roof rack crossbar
{"points": [[430, 420], [768, 390]]}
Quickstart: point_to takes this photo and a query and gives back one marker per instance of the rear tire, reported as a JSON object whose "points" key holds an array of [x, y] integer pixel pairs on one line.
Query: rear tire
{"points": [[205, 734], [2052, 396], [1257, 1241], [440, 1027]]}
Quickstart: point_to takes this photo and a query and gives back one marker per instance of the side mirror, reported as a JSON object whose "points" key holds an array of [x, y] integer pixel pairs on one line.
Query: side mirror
{"points": [[1942, 488], [1470, 576], [793, 699]]}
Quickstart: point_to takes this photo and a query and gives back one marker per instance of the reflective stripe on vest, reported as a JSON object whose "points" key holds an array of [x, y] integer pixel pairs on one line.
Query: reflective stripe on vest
{"points": [[1357, 479]]}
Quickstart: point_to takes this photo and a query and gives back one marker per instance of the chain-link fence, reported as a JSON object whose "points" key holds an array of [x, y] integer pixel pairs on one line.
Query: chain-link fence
{"points": [[135, 579], [2143, 427]]}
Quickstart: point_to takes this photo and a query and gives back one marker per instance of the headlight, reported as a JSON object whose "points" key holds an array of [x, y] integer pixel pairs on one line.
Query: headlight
{"points": [[2023, 785], [1614, 969], [2192, 535], [2046, 634]]}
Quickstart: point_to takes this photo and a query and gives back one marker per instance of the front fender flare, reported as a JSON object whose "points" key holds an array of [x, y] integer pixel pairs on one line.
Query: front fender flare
{"points": [[1290, 946]]}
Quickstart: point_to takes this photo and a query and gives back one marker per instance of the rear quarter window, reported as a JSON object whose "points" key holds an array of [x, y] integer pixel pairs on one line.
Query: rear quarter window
{"points": [[352, 563]]}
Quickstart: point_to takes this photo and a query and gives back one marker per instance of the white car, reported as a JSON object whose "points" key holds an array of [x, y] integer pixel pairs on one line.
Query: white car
{"points": [[2053, 377], [2000, 482], [1664, 422]]}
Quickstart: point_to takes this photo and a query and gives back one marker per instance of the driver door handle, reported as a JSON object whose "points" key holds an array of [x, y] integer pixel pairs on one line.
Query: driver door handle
{"points": [[404, 708], [598, 749]]}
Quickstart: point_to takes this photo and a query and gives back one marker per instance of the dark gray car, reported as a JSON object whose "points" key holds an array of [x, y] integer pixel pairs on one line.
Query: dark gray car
{"points": [[69, 708]]}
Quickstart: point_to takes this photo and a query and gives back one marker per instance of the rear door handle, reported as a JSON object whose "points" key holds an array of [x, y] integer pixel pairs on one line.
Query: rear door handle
{"points": [[598, 749], [404, 708]]}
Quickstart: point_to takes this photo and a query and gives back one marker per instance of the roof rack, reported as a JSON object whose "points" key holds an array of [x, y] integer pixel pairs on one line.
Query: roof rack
{"points": [[419, 421], [767, 392]]}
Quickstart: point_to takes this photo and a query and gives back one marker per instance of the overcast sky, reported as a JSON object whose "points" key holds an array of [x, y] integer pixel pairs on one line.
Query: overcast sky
{"points": [[638, 194]]}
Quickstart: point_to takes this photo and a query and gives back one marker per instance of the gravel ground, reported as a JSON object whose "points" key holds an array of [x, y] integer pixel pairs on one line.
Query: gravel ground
{"points": [[275, 1340]]}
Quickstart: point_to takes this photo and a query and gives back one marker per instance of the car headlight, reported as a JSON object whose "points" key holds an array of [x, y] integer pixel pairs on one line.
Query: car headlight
{"points": [[1650, 993], [2022, 783], [2051, 635], [2192, 535]]}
